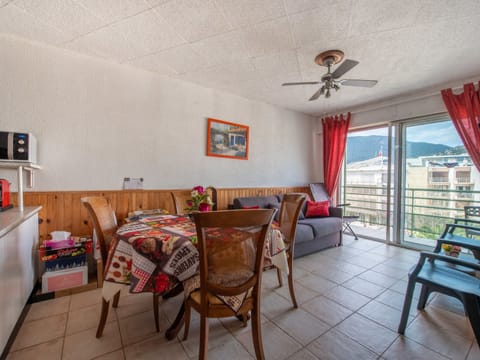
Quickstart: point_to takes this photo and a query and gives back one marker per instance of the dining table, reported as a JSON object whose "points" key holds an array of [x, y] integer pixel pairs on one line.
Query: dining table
{"points": [[158, 254]]}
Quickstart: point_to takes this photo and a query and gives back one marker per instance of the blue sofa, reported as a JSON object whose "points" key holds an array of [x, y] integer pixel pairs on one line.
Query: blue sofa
{"points": [[312, 234]]}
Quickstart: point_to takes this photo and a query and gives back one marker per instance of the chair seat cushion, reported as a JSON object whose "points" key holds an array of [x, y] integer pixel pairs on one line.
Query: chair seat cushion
{"points": [[303, 233], [230, 276], [212, 299]]}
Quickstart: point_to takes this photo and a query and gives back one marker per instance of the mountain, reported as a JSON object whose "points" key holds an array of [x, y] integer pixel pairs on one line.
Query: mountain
{"points": [[366, 147]]}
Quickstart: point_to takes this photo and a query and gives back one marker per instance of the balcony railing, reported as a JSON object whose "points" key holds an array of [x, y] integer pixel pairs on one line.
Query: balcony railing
{"points": [[438, 179], [464, 180], [426, 211]]}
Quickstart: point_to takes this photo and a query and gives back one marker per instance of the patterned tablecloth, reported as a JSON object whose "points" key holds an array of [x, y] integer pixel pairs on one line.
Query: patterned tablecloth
{"points": [[157, 252]]}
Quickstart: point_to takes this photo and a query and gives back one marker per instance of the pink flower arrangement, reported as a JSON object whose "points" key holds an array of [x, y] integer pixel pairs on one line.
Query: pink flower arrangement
{"points": [[200, 201]]}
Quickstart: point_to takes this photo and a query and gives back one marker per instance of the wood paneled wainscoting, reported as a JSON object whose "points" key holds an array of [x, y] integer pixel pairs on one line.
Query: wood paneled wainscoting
{"points": [[63, 210]]}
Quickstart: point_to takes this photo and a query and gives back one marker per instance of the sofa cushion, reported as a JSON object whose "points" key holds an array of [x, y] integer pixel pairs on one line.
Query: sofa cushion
{"points": [[261, 201], [317, 208], [323, 226], [303, 211], [303, 233]]}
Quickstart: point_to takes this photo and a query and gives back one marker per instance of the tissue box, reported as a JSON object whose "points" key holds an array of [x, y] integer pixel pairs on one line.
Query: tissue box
{"points": [[60, 235], [64, 279], [58, 244]]}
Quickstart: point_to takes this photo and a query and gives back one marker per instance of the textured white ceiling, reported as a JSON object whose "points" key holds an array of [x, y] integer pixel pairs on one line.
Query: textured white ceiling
{"points": [[250, 47]]}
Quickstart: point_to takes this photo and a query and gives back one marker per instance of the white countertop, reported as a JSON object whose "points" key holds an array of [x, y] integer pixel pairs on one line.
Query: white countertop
{"points": [[11, 218]]}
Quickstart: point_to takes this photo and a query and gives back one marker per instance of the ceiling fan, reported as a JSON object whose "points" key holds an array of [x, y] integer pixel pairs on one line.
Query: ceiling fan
{"points": [[331, 80]]}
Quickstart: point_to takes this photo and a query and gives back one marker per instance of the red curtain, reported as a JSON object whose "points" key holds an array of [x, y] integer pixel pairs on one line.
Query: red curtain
{"points": [[335, 129], [464, 109]]}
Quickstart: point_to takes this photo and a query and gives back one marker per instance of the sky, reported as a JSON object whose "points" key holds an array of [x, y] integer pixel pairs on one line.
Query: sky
{"points": [[435, 133]]}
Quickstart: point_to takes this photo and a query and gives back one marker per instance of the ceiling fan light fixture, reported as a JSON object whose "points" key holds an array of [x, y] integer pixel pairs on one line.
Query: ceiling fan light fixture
{"points": [[330, 57], [331, 80]]}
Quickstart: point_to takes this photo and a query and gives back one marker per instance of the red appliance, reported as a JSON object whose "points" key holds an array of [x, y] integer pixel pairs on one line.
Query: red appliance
{"points": [[5, 195]]}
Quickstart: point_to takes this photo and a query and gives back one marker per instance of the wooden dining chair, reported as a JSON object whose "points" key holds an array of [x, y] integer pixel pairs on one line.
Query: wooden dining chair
{"points": [[180, 198], [213, 195], [290, 209], [105, 225], [231, 244]]}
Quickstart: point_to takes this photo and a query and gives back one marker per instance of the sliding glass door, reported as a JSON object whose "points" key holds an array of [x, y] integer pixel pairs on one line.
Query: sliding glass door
{"points": [[439, 180], [407, 180], [367, 182]]}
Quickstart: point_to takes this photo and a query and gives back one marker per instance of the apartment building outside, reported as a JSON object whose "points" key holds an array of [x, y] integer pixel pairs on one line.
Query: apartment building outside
{"points": [[435, 190]]}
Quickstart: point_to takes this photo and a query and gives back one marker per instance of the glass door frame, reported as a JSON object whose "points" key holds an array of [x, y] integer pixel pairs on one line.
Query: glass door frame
{"points": [[396, 175], [401, 176], [342, 196]]}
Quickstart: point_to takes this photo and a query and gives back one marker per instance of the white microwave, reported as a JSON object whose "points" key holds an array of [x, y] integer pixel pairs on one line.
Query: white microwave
{"points": [[18, 147]]}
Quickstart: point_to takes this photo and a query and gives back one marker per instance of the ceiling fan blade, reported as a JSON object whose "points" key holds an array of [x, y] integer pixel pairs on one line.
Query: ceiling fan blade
{"points": [[347, 65], [317, 94], [358, 82], [302, 83]]}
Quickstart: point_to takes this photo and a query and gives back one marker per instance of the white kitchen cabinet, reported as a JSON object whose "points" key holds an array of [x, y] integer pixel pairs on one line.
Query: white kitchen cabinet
{"points": [[18, 265]]}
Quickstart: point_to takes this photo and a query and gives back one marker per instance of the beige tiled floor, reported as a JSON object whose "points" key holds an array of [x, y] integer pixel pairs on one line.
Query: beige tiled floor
{"points": [[350, 302]]}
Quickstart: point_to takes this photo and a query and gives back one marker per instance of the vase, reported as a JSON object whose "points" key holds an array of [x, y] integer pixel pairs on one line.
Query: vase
{"points": [[203, 207]]}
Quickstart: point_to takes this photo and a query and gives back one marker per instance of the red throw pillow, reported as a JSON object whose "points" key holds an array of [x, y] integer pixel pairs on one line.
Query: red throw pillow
{"points": [[251, 207], [317, 209]]}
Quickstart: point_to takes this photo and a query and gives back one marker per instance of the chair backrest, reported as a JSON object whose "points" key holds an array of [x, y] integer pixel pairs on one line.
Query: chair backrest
{"points": [[180, 199], [232, 245], [289, 212], [319, 193], [104, 221], [213, 195], [472, 212]]}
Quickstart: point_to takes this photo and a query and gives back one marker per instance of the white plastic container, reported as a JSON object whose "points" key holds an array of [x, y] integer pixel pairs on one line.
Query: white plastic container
{"points": [[64, 279]]}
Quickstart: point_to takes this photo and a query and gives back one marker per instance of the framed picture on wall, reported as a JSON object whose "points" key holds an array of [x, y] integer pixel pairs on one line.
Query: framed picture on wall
{"points": [[226, 139]]}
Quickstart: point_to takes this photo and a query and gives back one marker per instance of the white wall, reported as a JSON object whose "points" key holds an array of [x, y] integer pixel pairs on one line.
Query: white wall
{"points": [[398, 109], [408, 109], [97, 122]]}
